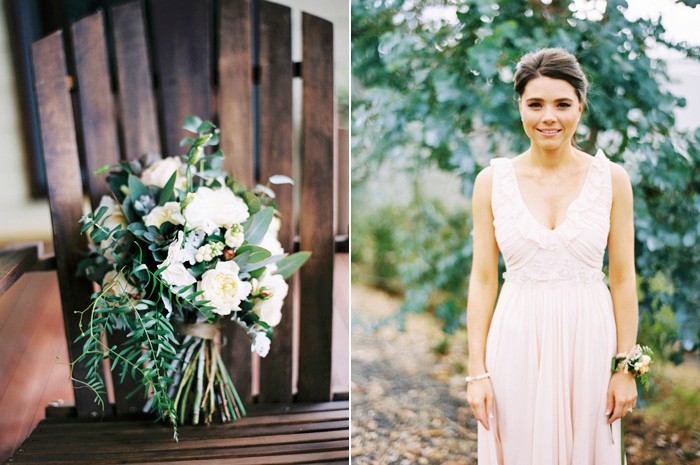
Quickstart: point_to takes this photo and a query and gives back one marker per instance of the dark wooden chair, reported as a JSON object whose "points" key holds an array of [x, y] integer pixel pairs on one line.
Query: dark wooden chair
{"points": [[119, 86]]}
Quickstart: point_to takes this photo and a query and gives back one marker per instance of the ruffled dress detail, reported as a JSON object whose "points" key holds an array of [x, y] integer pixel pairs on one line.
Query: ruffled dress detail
{"points": [[553, 330]]}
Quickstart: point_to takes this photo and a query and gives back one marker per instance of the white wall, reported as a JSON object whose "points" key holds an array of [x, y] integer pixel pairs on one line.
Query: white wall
{"points": [[21, 218]]}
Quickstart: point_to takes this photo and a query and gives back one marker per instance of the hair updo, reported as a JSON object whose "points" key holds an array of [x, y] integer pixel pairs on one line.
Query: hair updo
{"points": [[555, 63]]}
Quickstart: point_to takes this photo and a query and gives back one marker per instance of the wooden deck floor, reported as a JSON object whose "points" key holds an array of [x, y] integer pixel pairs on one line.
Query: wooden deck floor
{"points": [[31, 339]]}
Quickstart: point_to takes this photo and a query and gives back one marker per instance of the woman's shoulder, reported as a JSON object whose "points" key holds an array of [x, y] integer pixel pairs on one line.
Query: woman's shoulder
{"points": [[620, 180], [484, 181]]}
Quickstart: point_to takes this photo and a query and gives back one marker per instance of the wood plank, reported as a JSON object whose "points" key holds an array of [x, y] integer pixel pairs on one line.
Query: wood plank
{"points": [[34, 348], [125, 426], [235, 351], [235, 96], [182, 39], [14, 263], [317, 198], [96, 102], [276, 157], [100, 143], [340, 355], [138, 450], [137, 103], [234, 105], [182, 455], [343, 182], [339, 453], [65, 198], [48, 432]]}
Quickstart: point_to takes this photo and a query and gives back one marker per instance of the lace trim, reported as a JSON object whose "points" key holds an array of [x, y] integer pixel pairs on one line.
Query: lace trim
{"points": [[530, 276]]}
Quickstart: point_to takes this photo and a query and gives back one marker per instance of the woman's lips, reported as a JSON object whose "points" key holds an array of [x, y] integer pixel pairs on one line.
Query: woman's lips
{"points": [[549, 132]]}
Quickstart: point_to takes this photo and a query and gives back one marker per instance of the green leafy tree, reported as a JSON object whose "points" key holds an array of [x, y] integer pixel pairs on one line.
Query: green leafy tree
{"points": [[440, 93]]}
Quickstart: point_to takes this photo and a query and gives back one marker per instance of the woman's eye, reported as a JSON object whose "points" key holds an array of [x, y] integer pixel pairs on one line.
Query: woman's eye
{"points": [[564, 105], [534, 105]]}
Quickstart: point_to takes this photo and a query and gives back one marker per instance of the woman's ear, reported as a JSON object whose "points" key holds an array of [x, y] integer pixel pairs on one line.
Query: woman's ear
{"points": [[520, 109]]}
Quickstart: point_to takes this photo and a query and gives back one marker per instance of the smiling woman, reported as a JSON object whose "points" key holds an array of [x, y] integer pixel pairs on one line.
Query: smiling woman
{"points": [[539, 363]]}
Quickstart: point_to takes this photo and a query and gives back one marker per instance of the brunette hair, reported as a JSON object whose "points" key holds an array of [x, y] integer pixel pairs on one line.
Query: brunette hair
{"points": [[555, 63]]}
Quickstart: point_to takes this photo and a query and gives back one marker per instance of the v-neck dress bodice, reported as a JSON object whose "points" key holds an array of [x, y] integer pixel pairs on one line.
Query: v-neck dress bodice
{"points": [[552, 334]]}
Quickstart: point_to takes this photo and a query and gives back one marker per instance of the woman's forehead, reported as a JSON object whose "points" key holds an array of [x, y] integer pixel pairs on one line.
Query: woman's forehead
{"points": [[546, 88]]}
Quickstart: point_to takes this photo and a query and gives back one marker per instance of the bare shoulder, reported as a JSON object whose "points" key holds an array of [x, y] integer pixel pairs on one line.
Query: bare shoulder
{"points": [[620, 178], [621, 184], [483, 183]]}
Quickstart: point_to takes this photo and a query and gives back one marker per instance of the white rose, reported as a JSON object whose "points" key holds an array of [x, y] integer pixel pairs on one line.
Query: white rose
{"points": [[118, 285], [273, 289], [177, 275], [170, 212], [112, 217], [211, 209], [224, 288], [261, 344], [160, 172]]}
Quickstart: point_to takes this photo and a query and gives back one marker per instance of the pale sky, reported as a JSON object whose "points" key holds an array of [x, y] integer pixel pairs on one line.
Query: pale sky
{"points": [[682, 23]]}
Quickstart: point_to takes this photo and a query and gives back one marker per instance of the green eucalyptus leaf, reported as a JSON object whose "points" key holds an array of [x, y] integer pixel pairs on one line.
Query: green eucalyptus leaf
{"points": [[137, 189], [257, 254], [186, 141], [192, 123], [167, 193], [289, 264], [205, 126], [257, 225]]}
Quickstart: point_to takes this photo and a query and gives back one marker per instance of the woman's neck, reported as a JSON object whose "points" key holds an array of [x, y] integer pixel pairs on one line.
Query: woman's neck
{"points": [[551, 158]]}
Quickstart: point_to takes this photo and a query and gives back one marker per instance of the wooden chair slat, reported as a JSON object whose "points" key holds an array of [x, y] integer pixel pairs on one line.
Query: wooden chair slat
{"points": [[301, 458], [161, 437], [317, 198], [181, 31], [96, 102], [14, 263], [276, 157], [65, 198], [100, 143], [237, 448], [99, 129], [235, 96], [235, 108], [137, 103], [333, 456]]}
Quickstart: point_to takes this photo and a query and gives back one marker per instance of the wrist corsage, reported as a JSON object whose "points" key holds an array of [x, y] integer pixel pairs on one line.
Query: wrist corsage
{"points": [[636, 362]]}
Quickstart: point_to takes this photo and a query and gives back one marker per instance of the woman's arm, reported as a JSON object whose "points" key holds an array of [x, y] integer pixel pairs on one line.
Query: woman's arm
{"points": [[622, 393], [483, 287]]}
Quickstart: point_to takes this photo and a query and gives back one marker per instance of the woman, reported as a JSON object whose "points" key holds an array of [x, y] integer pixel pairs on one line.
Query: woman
{"points": [[540, 383]]}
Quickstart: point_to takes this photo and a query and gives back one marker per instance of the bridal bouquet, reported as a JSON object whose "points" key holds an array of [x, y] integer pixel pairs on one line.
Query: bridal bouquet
{"points": [[176, 248]]}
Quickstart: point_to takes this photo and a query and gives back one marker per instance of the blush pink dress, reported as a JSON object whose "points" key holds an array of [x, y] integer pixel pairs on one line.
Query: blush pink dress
{"points": [[552, 335]]}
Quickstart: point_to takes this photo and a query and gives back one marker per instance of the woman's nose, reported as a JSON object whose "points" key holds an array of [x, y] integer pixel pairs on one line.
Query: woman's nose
{"points": [[548, 116]]}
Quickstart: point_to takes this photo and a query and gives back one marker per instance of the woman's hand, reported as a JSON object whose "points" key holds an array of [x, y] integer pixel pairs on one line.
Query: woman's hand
{"points": [[480, 399], [622, 395]]}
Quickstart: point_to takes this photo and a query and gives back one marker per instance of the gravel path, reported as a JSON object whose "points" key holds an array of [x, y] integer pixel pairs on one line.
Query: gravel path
{"points": [[403, 410]]}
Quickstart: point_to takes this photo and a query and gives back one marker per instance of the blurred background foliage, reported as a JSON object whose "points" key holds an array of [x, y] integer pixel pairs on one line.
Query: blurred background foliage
{"points": [[432, 87]]}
